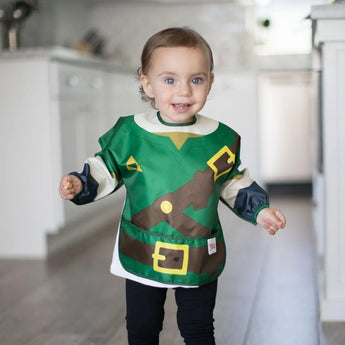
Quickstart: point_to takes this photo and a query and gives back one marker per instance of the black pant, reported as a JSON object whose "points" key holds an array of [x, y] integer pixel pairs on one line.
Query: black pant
{"points": [[145, 313]]}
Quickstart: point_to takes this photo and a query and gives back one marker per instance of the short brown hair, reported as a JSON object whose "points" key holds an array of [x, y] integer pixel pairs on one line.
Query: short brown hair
{"points": [[171, 37]]}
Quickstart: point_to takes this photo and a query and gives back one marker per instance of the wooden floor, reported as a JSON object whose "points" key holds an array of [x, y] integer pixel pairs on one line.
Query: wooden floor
{"points": [[267, 294]]}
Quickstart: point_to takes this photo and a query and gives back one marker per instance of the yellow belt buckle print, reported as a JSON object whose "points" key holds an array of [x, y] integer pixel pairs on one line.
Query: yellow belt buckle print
{"points": [[159, 257], [212, 162]]}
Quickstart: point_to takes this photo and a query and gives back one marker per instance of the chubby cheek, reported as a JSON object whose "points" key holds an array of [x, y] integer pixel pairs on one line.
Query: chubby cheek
{"points": [[163, 97], [201, 96]]}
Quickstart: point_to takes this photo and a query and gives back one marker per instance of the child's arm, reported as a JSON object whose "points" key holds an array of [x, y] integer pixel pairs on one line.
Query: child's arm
{"points": [[70, 186], [249, 201], [244, 196], [93, 183], [271, 219]]}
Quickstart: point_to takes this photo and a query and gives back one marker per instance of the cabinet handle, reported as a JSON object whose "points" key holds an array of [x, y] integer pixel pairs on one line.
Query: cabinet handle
{"points": [[72, 81]]}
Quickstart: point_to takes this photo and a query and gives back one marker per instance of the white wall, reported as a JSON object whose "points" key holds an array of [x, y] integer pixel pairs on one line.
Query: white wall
{"points": [[127, 25], [290, 31], [233, 100], [284, 128]]}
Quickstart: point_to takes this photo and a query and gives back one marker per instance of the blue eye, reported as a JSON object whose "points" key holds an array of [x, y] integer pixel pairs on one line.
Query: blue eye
{"points": [[197, 80], [169, 81]]}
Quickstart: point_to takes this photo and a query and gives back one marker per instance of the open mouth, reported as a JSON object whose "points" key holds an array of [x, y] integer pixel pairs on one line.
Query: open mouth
{"points": [[181, 106]]}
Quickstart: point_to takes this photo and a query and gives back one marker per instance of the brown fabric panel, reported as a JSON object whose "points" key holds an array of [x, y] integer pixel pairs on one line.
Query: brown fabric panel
{"points": [[196, 193], [199, 260]]}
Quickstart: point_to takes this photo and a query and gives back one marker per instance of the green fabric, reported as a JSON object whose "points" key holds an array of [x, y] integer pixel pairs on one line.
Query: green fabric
{"points": [[151, 166]]}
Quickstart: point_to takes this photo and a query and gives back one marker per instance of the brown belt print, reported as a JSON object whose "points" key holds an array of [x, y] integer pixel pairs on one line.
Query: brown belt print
{"points": [[169, 207], [173, 259]]}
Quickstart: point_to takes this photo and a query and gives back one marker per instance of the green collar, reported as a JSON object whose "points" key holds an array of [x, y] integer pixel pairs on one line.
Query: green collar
{"points": [[175, 124]]}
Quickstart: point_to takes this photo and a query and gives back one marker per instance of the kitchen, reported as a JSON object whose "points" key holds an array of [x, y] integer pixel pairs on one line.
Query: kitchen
{"points": [[82, 93]]}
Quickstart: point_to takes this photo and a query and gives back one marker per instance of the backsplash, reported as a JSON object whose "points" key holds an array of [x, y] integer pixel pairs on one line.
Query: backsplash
{"points": [[127, 25]]}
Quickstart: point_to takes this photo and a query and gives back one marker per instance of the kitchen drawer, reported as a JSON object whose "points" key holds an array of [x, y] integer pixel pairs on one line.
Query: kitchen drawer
{"points": [[77, 82]]}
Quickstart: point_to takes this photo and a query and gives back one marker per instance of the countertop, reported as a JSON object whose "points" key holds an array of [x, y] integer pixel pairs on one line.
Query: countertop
{"points": [[58, 53], [333, 11]]}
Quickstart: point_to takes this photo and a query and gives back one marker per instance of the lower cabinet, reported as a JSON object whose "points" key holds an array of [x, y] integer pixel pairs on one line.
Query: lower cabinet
{"points": [[53, 112]]}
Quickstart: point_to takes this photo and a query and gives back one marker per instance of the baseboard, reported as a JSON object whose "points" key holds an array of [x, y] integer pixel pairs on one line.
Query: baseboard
{"points": [[332, 310]]}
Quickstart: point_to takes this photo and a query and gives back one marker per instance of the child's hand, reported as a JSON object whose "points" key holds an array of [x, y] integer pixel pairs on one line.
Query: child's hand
{"points": [[70, 186], [270, 219]]}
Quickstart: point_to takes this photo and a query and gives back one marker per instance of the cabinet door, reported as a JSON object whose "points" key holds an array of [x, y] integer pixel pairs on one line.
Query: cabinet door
{"points": [[81, 126]]}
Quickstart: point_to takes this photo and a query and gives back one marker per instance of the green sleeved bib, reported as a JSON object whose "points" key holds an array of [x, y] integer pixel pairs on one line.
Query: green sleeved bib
{"points": [[170, 230]]}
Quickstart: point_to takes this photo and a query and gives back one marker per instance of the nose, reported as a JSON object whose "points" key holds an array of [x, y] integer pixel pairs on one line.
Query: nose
{"points": [[184, 89]]}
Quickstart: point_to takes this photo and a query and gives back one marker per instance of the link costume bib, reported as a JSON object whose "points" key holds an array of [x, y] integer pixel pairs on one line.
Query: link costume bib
{"points": [[175, 174]]}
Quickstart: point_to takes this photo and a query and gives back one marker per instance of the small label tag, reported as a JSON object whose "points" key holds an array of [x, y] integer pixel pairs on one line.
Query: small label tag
{"points": [[212, 246]]}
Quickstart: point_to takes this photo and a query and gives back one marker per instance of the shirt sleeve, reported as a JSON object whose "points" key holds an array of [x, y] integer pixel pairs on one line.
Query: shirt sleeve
{"points": [[97, 181], [244, 196], [100, 176]]}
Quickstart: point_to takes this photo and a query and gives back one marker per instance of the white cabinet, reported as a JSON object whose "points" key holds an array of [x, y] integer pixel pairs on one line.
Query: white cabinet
{"points": [[329, 194], [53, 111], [284, 126], [79, 95], [30, 159]]}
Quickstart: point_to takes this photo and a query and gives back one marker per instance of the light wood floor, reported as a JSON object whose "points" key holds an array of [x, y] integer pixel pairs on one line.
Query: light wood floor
{"points": [[267, 294]]}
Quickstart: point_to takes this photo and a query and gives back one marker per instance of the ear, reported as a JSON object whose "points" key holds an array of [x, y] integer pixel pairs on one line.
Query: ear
{"points": [[211, 81], [145, 82]]}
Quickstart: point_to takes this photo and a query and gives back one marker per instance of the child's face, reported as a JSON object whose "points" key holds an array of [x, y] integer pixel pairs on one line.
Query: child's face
{"points": [[179, 79]]}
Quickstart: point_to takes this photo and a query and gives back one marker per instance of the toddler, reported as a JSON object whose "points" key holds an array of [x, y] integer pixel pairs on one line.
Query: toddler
{"points": [[175, 165]]}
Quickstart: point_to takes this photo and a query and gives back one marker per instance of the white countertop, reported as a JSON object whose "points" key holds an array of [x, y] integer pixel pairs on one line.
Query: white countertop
{"points": [[334, 11], [330, 23], [58, 53]]}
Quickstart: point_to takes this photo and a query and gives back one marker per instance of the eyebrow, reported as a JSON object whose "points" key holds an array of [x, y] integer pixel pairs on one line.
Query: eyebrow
{"points": [[173, 74]]}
